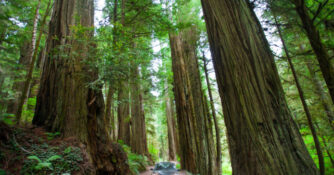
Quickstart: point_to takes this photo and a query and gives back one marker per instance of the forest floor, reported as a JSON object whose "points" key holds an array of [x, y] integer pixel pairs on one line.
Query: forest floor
{"points": [[31, 150]]}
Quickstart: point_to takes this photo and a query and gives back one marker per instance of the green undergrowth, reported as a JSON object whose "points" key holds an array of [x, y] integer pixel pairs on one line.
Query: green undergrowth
{"points": [[308, 139], [32, 151], [52, 160], [137, 163]]}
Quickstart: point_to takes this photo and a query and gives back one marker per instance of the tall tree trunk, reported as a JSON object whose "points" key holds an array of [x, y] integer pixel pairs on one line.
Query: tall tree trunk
{"points": [[65, 102], [326, 66], [175, 126], [303, 100], [170, 125], [108, 114], [196, 139], [213, 111], [138, 141], [184, 106], [123, 112], [262, 137]]}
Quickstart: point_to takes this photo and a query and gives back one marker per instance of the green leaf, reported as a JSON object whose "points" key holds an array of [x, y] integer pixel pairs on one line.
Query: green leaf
{"points": [[34, 158], [67, 150], [52, 158], [42, 165]]}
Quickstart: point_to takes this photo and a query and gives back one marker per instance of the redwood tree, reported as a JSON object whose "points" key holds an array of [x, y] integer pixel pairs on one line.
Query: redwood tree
{"points": [[262, 137], [170, 125], [195, 128], [138, 138], [66, 101]]}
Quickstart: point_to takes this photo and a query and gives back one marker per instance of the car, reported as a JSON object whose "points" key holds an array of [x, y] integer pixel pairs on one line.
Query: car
{"points": [[165, 168]]}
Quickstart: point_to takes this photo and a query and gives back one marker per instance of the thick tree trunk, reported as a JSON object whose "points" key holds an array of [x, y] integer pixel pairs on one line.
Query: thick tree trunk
{"points": [[138, 138], [170, 125], [196, 141], [123, 112], [109, 116], [123, 108], [262, 137], [326, 66], [184, 106], [65, 101], [213, 111], [175, 126], [303, 100]]}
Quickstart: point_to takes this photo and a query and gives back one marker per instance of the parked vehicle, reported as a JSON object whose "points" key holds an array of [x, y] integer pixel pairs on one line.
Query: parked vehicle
{"points": [[165, 168]]}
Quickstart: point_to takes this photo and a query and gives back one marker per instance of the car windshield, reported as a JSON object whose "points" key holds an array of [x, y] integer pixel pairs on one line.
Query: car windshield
{"points": [[165, 166]]}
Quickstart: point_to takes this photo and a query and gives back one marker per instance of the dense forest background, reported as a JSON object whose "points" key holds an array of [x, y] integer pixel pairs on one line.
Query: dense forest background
{"points": [[146, 81]]}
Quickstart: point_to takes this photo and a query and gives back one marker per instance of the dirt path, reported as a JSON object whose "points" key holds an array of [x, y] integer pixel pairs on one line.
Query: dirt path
{"points": [[148, 171]]}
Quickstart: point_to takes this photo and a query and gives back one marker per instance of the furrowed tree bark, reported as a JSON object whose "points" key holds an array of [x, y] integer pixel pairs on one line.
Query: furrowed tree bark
{"points": [[184, 106], [109, 106], [123, 112], [123, 109], [303, 100], [170, 125], [196, 141], [262, 137], [109, 116], [213, 111], [66, 101], [326, 66], [175, 126], [138, 139]]}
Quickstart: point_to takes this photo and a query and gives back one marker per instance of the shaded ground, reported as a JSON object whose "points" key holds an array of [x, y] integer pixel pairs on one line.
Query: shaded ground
{"points": [[31, 150]]}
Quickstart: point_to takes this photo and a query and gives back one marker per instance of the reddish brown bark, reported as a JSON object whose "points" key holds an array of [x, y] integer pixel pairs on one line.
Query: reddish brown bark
{"points": [[123, 112], [66, 102], [262, 137], [195, 127], [170, 125], [138, 138]]}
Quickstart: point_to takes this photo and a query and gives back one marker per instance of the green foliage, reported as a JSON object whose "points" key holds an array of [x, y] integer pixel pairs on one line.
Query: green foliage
{"points": [[51, 135], [137, 163], [57, 160], [2, 172], [7, 118], [44, 164], [29, 109]]}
